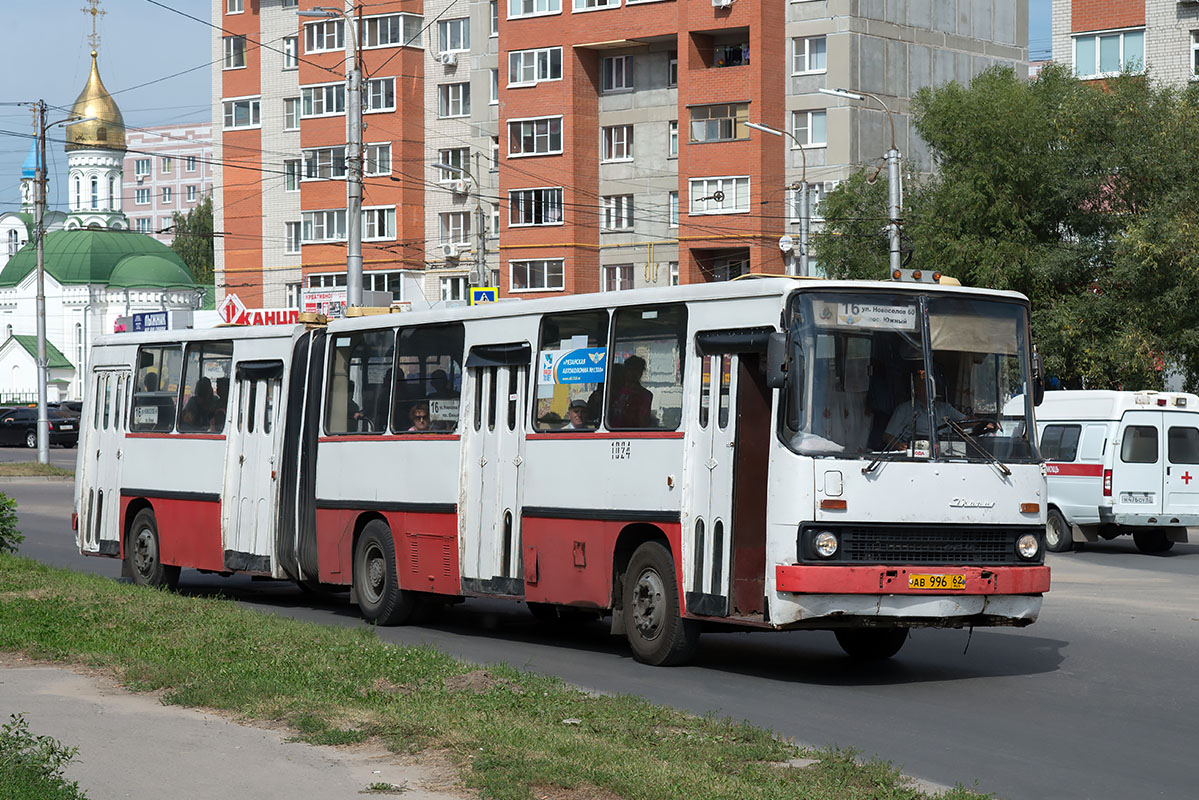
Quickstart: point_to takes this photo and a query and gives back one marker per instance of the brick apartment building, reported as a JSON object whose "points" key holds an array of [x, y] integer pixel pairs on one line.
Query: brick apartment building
{"points": [[166, 169], [1100, 38], [600, 144]]}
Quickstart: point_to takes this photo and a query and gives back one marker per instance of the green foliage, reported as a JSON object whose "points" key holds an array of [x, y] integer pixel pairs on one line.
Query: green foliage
{"points": [[10, 537], [194, 240], [31, 767], [1081, 195]]}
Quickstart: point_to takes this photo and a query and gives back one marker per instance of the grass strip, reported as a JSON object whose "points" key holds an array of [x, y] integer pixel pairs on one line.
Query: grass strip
{"points": [[513, 734], [32, 469]]}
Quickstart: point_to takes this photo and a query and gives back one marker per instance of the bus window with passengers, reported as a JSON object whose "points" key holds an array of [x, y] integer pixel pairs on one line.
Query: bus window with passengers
{"points": [[909, 375]]}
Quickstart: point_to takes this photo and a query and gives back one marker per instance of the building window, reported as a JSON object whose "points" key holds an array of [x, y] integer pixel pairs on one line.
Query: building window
{"points": [[321, 37], [495, 154], [166, 194], [535, 207], [325, 226], [392, 30], [291, 113], [291, 52], [731, 55], [495, 18], [534, 137], [616, 74], [618, 277], [168, 165], [141, 196], [141, 167], [380, 94], [529, 67], [533, 8], [617, 143], [724, 195], [458, 157], [674, 273], [453, 35], [190, 164], [495, 87], [1194, 53], [325, 163], [810, 128], [291, 175], [14, 244], [143, 225], [235, 52], [672, 70], [808, 55], [191, 194], [719, 123], [672, 142], [594, 5], [233, 6], [1104, 54], [618, 212], [242, 113], [323, 101], [293, 238], [378, 223], [95, 193], [536, 275], [453, 100], [377, 159], [455, 227], [294, 292], [674, 210], [454, 288]]}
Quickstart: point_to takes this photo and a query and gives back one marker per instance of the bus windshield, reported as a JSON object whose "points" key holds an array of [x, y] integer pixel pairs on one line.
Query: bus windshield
{"points": [[913, 375]]}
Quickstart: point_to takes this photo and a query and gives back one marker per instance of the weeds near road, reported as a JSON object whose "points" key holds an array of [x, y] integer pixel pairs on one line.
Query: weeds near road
{"points": [[32, 469], [514, 735], [31, 766], [10, 537]]}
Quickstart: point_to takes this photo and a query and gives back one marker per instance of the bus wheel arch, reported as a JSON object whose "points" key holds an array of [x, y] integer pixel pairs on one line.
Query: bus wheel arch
{"points": [[631, 537], [375, 577], [650, 606], [1059, 535], [143, 548]]}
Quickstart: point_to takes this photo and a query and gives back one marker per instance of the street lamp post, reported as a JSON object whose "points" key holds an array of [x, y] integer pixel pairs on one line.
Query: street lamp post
{"points": [[353, 152], [480, 222], [894, 188], [804, 220]]}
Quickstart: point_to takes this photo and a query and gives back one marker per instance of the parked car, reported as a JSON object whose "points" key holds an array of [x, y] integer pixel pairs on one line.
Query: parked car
{"points": [[19, 426], [72, 407]]}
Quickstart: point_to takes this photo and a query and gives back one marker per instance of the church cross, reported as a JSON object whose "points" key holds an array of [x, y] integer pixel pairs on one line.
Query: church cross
{"points": [[93, 8]]}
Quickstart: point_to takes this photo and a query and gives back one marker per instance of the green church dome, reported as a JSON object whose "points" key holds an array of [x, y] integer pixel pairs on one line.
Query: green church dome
{"points": [[121, 259]]}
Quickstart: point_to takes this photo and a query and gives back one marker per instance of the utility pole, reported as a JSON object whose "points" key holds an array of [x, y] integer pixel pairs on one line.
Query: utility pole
{"points": [[353, 165], [804, 208], [481, 278], [39, 232]]}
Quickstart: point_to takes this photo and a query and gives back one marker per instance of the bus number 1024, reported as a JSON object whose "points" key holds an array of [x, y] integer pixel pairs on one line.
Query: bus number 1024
{"points": [[621, 449]]}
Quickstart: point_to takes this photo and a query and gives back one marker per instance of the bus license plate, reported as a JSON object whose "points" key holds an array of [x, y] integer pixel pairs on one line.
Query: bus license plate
{"points": [[949, 582]]}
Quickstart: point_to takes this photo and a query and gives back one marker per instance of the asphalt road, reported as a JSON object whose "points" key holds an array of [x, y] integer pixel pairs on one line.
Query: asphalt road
{"points": [[1096, 700]]}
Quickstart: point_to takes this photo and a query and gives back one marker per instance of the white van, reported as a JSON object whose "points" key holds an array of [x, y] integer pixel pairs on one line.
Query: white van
{"points": [[1120, 463]]}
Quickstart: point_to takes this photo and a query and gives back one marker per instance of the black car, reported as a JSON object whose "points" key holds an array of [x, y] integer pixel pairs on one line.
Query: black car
{"points": [[19, 426], [72, 408]]}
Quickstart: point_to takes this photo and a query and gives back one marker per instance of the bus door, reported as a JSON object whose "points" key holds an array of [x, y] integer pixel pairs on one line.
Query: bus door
{"points": [[251, 464], [103, 438], [493, 452], [724, 504], [1137, 466]]}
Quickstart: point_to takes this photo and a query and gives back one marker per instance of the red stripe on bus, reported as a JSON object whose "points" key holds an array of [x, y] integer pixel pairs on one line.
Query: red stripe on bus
{"points": [[189, 531], [395, 437], [1075, 470], [132, 435], [426, 548], [812, 579], [605, 435]]}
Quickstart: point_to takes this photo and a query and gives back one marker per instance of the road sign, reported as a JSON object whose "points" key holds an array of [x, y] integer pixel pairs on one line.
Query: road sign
{"points": [[483, 294]]}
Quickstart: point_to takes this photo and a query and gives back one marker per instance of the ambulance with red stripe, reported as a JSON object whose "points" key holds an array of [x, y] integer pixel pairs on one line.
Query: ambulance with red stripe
{"points": [[1120, 463]]}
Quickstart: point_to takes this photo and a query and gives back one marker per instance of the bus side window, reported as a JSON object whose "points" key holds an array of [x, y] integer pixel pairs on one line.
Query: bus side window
{"points": [[570, 379], [360, 379], [1094, 441], [1060, 442], [205, 386], [156, 390], [107, 400], [646, 368], [428, 379]]}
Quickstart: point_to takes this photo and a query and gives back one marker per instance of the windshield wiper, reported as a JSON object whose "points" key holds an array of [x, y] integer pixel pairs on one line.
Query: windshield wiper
{"points": [[970, 440], [886, 455]]}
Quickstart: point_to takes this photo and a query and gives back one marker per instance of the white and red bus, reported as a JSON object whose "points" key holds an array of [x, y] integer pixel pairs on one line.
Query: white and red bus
{"points": [[757, 454]]}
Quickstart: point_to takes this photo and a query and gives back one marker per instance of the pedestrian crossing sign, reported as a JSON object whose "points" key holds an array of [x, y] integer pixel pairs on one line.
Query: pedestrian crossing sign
{"points": [[483, 294]]}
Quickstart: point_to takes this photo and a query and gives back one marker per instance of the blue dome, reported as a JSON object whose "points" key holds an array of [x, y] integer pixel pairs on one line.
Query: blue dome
{"points": [[29, 168]]}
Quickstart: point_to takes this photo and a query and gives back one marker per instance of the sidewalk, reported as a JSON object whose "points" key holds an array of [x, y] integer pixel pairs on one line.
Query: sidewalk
{"points": [[132, 746]]}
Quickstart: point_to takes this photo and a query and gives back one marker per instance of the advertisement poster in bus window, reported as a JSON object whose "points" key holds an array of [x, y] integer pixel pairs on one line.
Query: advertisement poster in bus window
{"points": [[573, 364]]}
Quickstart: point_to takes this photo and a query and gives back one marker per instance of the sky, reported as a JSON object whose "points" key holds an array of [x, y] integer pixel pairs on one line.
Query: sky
{"points": [[146, 49]]}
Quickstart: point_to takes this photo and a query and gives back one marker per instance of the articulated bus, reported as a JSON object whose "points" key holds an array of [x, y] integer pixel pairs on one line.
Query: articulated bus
{"points": [[755, 455]]}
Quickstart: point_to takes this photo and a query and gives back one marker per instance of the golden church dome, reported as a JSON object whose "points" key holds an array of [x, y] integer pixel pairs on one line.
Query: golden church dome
{"points": [[107, 130]]}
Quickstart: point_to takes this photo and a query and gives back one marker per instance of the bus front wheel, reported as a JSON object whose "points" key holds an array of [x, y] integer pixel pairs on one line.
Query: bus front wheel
{"points": [[380, 597], [653, 622], [144, 555], [871, 644]]}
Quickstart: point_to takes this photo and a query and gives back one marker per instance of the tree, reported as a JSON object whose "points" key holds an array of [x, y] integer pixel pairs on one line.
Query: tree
{"points": [[193, 240], [1078, 194]]}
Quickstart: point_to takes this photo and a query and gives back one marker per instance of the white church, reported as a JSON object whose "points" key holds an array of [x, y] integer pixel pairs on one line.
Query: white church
{"points": [[96, 268]]}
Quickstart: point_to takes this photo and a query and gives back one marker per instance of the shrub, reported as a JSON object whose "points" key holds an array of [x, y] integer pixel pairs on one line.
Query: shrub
{"points": [[10, 537]]}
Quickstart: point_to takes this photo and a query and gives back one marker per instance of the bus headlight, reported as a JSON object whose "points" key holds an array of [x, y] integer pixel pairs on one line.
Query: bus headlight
{"points": [[1028, 546], [825, 544]]}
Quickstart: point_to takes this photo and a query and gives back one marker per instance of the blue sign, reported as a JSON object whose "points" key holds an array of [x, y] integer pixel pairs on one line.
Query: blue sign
{"points": [[582, 365], [151, 321], [483, 294]]}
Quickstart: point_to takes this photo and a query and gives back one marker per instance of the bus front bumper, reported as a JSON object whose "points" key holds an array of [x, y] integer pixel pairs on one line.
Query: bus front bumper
{"points": [[892, 580]]}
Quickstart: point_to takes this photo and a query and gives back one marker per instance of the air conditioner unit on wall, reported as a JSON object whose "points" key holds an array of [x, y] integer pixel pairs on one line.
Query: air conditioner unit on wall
{"points": [[449, 251], [460, 186], [722, 3], [449, 59]]}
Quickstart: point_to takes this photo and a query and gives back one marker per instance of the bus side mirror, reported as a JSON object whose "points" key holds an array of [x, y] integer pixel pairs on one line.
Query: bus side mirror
{"points": [[1038, 382], [776, 360]]}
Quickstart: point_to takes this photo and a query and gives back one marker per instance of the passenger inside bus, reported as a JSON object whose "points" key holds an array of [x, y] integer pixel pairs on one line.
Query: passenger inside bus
{"points": [[220, 405], [418, 415], [578, 418], [197, 414], [631, 402]]}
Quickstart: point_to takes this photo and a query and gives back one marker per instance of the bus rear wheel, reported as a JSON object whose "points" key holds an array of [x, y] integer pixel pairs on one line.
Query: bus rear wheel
{"points": [[1152, 541], [1058, 536], [871, 644], [376, 586], [653, 621], [144, 556]]}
